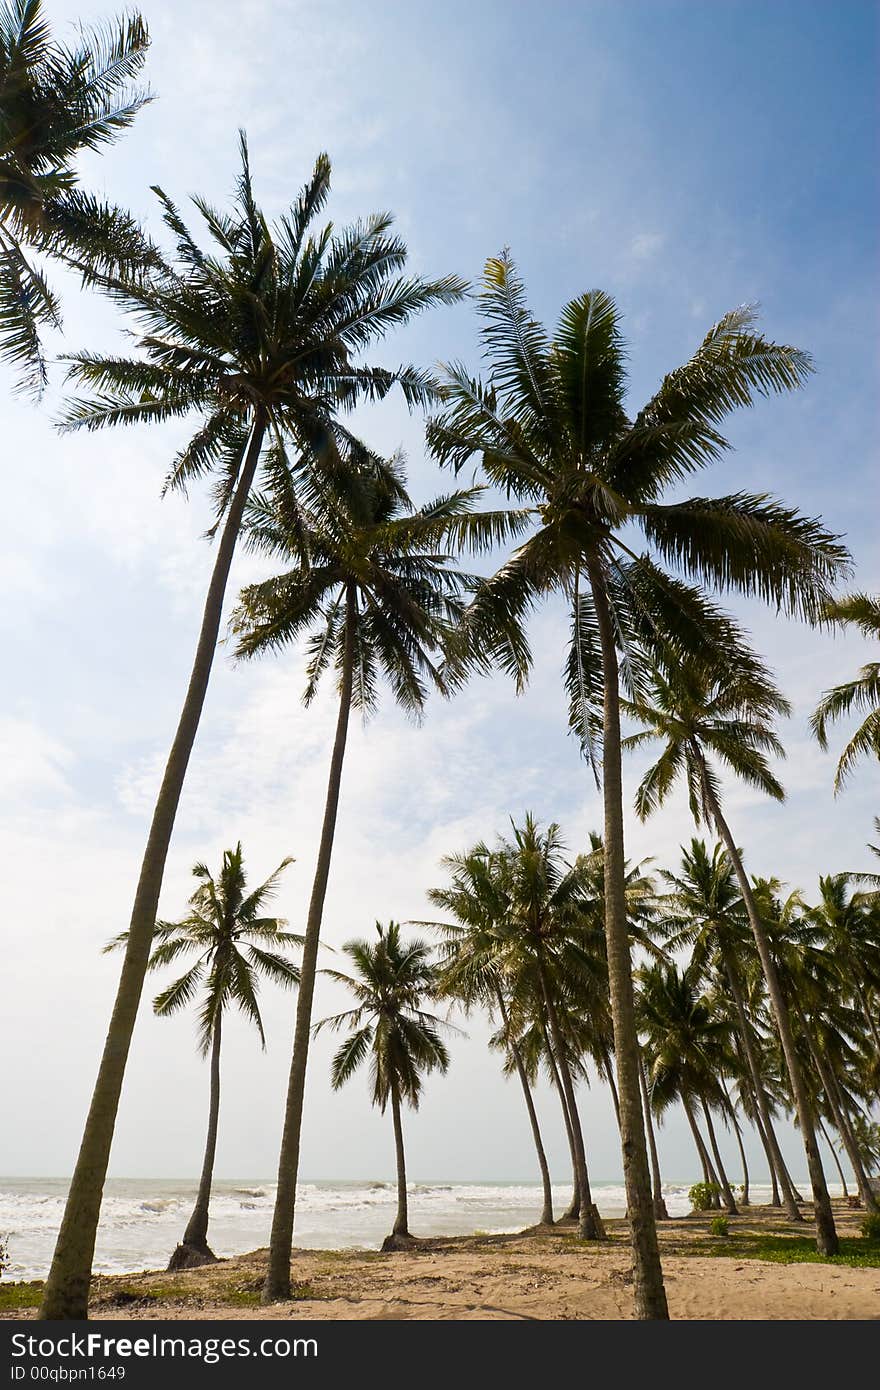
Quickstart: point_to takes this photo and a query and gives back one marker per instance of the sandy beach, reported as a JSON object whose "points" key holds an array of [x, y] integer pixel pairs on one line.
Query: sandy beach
{"points": [[542, 1274]]}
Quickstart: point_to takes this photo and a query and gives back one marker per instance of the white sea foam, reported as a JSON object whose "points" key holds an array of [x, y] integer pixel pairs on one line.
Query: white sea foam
{"points": [[142, 1219]]}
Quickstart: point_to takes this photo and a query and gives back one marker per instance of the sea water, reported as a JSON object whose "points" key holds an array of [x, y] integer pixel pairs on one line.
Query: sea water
{"points": [[143, 1219]]}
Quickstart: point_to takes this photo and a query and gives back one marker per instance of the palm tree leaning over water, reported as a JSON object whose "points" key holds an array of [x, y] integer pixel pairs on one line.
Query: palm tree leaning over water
{"points": [[236, 946], [729, 716], [260, 336], [372, 579], [56, 101], [393, 978], [862, 694], [551, 428]]}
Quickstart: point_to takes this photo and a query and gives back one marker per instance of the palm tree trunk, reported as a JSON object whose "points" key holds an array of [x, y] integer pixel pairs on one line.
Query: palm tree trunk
{"points": [[826, 1232], [547, 1206], [835, 1156], [401, 1221], [66, 1294], [589, 1226], [755, 1116], [841, 1120], [731, 1112], [650, 1295], [196, 1233], [608, 1072], [709, 1174], [277, 1285], [869, 1017], [660, 1211], [574, 1205], [775, 1154], [726, 1189]]}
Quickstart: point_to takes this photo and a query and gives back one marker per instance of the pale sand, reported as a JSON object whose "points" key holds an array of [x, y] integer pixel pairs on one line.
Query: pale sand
{"points": [[536, 1275]]}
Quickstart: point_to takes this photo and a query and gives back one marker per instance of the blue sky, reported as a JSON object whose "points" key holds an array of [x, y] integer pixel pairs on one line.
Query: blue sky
{"points": [[685, 157]]}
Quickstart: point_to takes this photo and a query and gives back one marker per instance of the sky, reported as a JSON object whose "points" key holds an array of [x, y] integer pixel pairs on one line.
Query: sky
{"points": [[684, 157]]}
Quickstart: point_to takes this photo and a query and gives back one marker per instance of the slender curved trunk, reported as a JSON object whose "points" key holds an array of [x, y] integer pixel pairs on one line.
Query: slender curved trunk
{"points": [[589, 1225], [755, 1117], [745, 1200], [196, 1233], [731, 1113], [650, 1295], [869, 1017], [401, 1221], [574, 1205], [660, 1211], [768, 1138], [726, 1189], [834, 1154], [826, 1232], [790, 1179], [841, 1121], [547, 1205], [277, 1285], [66, 1294], [608, 1072], [709, 1174]]}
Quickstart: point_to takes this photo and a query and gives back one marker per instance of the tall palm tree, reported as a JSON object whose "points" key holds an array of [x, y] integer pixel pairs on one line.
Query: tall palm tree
{"points": [[705, 912], [235, 945], [862, 694], [552, 428], [370, 577], [57, 100], [393, 978], [261, 338], [728, 715]]}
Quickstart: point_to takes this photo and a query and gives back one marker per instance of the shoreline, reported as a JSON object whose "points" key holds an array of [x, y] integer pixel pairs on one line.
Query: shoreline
{"points": [[761, 1270]]}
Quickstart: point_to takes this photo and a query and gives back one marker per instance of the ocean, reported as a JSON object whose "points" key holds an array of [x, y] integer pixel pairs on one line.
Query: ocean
{"points": [[143, 1219]]}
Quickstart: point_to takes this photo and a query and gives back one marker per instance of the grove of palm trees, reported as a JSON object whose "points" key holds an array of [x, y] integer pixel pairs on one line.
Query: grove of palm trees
{"points": [[407, 503]]}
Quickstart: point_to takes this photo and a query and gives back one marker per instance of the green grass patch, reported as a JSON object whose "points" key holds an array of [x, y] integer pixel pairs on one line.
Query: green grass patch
{"points": [[21, 1295], [789, 1250]]}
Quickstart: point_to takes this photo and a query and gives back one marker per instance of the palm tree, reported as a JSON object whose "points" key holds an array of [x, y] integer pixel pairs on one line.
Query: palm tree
{"points": [[705, 912], [57, 100], [235, 946], [828, 1029], [473, 973], [687, 1044], [392, 980], [541, 946], [729, 715], [849, 923], [262, 339], [551, 428], [369, 576], [861, 694]]}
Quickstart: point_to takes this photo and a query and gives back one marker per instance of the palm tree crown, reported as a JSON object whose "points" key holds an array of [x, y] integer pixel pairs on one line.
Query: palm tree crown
{"points": [[392, 979], [694, 714], [260, 332], [57, 100], [235, 945], [861, 695], [368, 569]]}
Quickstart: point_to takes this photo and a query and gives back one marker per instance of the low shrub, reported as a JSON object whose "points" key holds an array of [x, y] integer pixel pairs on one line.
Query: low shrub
{"points": [[703, 1195], [871, 1226], [719, 1226]]}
